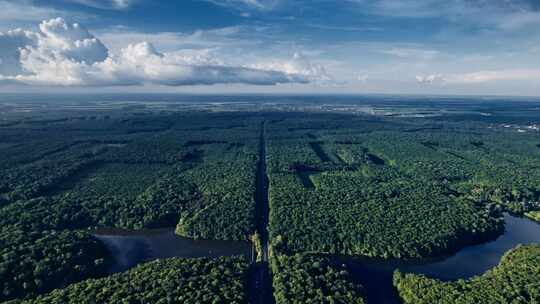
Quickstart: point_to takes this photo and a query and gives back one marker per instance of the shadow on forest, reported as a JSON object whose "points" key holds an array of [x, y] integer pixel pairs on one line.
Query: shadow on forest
{"points": [[318, 149]]}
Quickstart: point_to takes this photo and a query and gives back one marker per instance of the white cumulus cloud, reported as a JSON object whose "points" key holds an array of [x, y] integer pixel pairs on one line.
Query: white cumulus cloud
{"points": [[298, 65], [10, 52], [63, 54]]}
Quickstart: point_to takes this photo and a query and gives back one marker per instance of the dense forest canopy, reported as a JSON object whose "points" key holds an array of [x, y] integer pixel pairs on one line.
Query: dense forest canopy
{"points": [[62, 176], [392, 190], [305, 278], [34, 262], [514, 280], [382, 186], [165, 281]]}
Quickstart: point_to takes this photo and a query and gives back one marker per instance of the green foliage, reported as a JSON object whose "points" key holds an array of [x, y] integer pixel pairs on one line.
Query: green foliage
{"points": [[533, 215], [126, 171], [303, 278], [408, 189], [28, 181], [514, 280], [176, 280], [392, 218], [226, 183], [145, 172], [111, 194], [32, 263], [355, 185], [257, 243]]}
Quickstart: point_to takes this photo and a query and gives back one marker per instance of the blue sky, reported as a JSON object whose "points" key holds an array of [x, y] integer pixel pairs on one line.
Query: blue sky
{"points": [[277, 46]]}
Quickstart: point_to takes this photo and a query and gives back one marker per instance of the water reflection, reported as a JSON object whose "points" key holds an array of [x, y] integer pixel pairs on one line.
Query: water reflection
{"points": [[475, 260], [130, 248], [376, 276], [133, 247]]}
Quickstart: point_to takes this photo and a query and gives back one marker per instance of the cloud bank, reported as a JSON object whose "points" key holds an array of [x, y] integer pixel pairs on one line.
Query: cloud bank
{"points": [[482, 77], [62, 54], [299, 65]]}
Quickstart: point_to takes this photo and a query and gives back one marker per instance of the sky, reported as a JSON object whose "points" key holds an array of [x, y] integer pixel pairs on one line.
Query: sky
{"points": [[461, 47]]}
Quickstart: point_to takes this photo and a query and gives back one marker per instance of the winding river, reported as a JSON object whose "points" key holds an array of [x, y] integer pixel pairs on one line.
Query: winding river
{"points": [[131, 248], [376, 275]]}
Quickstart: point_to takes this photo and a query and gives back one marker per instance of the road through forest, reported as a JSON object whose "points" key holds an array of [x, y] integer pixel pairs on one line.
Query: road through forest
{"points": [[261, 279]]}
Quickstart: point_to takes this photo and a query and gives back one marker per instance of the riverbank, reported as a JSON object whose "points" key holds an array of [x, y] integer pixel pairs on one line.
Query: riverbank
{"points": [[377, 275], [131, 248]]}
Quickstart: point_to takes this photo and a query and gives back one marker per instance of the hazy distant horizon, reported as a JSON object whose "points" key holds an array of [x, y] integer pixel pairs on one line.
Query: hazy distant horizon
{"points": [[170, 96]]}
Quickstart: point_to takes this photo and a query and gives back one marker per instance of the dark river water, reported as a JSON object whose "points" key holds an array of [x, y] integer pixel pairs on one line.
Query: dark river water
{"points": [[132, 248], [376, 276]]}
